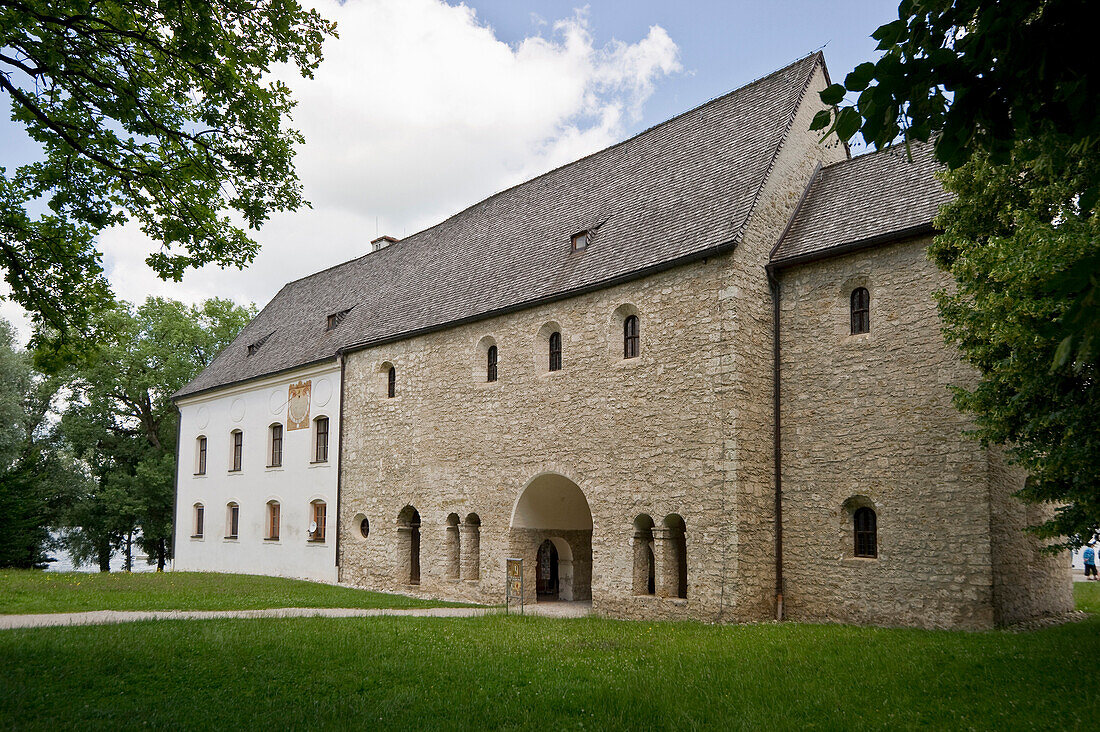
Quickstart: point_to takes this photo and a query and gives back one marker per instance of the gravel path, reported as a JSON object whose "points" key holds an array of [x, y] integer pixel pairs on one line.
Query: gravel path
{"points": [[108, 617]]}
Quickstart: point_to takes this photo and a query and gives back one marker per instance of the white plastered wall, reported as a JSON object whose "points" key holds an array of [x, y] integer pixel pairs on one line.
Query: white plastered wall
{"points": [[253, 408]]}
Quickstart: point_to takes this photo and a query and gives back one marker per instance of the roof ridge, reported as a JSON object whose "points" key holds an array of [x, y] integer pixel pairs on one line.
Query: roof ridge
{"points": [[820, 59], [873, 153], [782, 139]]}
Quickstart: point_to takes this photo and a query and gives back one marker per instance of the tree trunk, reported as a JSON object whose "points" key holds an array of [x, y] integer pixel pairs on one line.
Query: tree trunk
{"points": [[162, 552], [105, 557], [128, 565]]}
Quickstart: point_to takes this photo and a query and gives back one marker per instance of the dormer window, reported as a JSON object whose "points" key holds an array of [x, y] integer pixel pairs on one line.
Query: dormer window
{"points": [[336, 318], [256, 346], [580, 241]]}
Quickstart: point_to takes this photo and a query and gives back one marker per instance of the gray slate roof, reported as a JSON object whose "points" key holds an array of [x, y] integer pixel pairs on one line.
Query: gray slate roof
{"points": [[864, 199], [673, 191]]}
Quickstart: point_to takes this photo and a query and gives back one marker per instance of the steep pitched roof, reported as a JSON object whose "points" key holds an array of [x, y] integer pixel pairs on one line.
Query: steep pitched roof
{"points": [[863, 200], [678, 189]]}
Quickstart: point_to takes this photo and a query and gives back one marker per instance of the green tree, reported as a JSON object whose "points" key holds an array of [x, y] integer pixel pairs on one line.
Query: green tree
{"points": [[1009, 238], [122, 422], [35, 469], [161, 111], [1010, 95]]}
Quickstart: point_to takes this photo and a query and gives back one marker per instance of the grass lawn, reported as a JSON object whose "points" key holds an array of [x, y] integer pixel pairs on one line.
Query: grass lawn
{"points": [[28, 591], [536, 672]]}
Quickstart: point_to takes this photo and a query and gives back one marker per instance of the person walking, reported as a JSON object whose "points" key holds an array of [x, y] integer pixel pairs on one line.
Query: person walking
{"points": [[1089, 555]]}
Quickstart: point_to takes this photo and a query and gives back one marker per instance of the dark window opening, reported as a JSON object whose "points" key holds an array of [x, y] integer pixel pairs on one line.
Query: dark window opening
{"points": [[276, 445], [861, 311], [256, 346], [317, 526], [336, 318], [321, 453], [233, 522], [202, 457], [630, 337], [391, 383], [491, 366], [273, 520], [866, 532], [238, 449], [555, 351], [198, 520]]}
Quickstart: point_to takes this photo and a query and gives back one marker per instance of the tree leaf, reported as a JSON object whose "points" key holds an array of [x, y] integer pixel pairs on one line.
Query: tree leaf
{"points": [[833, 94]]}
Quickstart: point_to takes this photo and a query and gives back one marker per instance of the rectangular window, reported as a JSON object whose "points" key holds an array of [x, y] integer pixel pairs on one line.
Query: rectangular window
{"points": [[319, 511], [273, 521], [238, 450], [201, 467], [198, 522], [234, 521], [555, 351], [276, 445], [580, 241], [321, 453]]}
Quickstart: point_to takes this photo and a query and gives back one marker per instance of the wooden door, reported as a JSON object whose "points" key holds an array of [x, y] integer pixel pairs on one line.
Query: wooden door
{"points": [[546, 571]]}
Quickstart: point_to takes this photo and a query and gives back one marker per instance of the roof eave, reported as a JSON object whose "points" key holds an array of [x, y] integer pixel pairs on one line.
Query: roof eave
{"points": [[897, 235], [702, 254]]}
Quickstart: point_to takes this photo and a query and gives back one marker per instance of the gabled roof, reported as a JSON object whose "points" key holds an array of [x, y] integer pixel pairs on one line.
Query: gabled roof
{"points": [[880, 196], [677, 190]]}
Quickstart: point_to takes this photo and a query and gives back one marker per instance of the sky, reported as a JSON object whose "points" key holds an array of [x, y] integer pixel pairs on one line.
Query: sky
{"points": [[424, 107]]}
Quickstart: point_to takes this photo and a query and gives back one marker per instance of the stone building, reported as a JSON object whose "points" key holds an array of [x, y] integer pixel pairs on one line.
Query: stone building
{"points": [[698, 374]]}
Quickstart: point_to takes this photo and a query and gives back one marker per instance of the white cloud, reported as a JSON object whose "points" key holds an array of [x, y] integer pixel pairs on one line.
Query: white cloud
{"points": [[417, 111]]}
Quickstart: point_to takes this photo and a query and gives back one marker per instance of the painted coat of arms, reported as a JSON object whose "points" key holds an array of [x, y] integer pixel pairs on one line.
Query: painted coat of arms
{"points": [[297, 411]]}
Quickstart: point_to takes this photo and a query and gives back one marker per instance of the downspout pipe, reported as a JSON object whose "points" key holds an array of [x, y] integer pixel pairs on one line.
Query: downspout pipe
{"points": [[340, 461], [777, 445]]}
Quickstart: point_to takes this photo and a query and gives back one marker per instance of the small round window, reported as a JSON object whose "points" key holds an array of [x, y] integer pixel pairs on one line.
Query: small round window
{"points": [[364, 527]]}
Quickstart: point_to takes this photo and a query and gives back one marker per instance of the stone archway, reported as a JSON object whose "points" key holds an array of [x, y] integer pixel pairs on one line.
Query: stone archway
{"points": [[552, 508]]}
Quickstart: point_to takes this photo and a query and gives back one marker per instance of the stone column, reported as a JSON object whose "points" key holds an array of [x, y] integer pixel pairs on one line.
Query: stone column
{"points": [[664, 561], [642, 548], [408, 540], [471, 552], [454, 559]]}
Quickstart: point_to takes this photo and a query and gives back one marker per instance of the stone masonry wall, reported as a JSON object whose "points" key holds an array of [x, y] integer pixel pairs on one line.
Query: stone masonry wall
{"points": [[868, 420], [746, 385], [643, 435]]}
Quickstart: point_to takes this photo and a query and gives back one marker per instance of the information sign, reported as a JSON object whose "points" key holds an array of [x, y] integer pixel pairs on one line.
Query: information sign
{"points": [[514, 586]]}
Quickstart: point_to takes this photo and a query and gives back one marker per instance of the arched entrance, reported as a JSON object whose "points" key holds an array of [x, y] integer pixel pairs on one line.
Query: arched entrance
{"points": [[551, 530], [547, 581]]}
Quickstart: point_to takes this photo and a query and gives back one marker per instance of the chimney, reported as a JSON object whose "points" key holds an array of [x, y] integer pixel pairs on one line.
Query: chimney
{"points": [[382, 242]]}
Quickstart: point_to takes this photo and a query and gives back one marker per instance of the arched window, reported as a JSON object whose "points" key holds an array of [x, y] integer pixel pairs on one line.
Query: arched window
{"points": [[200, 455], [645, 568], [199, 511], [555, 351], [454, 548], [236, 451], [273, 520], [630, 337], [408, 545], [320, 440], [276, 457], [232, 520], [471, 547], [674, 557], [865, 524], [391, 382], [491, 364], [318, 516], [861, 311]]}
